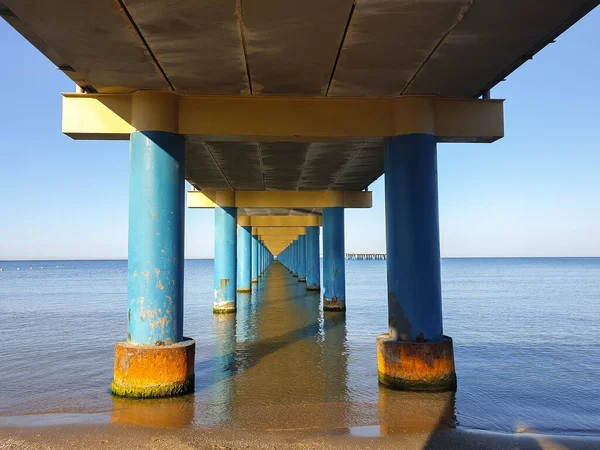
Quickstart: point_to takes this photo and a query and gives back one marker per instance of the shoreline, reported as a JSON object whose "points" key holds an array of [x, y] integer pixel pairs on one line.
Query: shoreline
{"points": [[111, 436]]}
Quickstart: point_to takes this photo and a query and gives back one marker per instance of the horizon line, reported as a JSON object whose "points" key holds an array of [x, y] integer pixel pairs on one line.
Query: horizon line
{"points": [[321, 257]]}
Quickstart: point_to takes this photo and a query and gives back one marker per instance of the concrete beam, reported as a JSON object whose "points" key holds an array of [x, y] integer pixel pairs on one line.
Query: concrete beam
{"points": [[303, 119], [278, 231], [281, 221], [279, 199]]}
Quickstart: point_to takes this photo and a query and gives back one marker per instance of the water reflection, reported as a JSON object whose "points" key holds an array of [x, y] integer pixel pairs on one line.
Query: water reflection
{"points": [[162, 412], [279, 363], [415, 412]]}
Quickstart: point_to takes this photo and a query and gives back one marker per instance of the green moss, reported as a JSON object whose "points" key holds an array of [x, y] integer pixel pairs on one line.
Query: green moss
{"points": [[169, 390], [447, 383], [224, 310]]}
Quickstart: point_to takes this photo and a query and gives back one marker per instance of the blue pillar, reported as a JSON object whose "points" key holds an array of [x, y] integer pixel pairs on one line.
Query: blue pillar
{"points": [[313, 259], [295, 257], [413, 266], [254, 258], [225, 259], [302, 258], [156, 237], [155, 346], [413, 238], [244, 257], [334, 270], [261, 261]]}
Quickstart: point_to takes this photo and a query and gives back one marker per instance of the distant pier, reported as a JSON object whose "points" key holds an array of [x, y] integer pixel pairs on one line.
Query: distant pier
{"points": [[366, 256]]}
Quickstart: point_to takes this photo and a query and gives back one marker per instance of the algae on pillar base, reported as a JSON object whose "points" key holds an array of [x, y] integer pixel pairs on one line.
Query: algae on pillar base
{"points": [[155, 360], [414, 354]]}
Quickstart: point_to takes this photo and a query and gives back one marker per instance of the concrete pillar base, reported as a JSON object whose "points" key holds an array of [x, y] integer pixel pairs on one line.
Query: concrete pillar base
{"points": [[301, 280], [224, 308], [313, 287], [149, 371], [334, 304], [416, 366]]}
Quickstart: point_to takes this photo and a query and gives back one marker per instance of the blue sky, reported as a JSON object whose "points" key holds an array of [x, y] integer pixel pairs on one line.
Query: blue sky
{"points": [[534, 193]]}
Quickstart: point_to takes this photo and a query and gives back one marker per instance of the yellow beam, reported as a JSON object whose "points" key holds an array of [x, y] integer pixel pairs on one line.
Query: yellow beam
{"points": [[278, 231], [283, 221], [303, 119], [276, 248], [286, 242], [277, 239], [279, 199]]}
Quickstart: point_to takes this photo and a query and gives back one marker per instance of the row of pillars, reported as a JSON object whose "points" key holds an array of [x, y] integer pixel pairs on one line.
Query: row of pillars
{"points": [[302, 259], [413, 354], [240, 259]]}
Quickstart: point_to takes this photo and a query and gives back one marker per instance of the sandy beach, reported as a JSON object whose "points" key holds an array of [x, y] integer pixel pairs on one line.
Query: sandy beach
{"points": [[122, 437]]}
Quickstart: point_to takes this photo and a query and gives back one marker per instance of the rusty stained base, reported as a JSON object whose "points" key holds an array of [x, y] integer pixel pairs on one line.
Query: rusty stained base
{"points": [[248, 289], [294, 274], [149, 371], [301, 280], [334, 304], [224, 308], [416, 366], [313, 287]]}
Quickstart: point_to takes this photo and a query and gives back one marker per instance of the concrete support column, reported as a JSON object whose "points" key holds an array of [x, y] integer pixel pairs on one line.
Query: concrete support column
{"points": [[225, 271], [414, 354], [313, 259], [261, 259], [156, 359], [295, 258], [254, 259], [302, 258], [244, 259], [334, 269]]}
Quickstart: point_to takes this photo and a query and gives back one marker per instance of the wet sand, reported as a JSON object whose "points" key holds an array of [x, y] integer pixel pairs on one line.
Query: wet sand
{"points": [[129, 437]]}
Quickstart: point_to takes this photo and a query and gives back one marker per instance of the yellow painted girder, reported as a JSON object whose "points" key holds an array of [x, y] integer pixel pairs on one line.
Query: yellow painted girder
{"points": [[303, 119], [281, 221], [278, 231], [279, 241], [279, 199]]}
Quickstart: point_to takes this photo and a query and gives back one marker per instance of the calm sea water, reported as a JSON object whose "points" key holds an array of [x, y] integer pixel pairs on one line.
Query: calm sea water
{"points": [[526, 335]]}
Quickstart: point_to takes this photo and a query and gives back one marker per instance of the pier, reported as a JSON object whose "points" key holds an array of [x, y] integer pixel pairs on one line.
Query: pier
{"points": [[366, 256], [278, 130]]}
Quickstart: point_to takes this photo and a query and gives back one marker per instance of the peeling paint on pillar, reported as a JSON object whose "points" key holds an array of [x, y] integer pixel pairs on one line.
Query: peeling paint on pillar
{"points": [[334, 259], [225, 263], [156, 238]]}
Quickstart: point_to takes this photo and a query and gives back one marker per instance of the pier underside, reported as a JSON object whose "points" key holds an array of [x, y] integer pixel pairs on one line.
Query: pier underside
{"points": [[338, 48], [285, 112]]}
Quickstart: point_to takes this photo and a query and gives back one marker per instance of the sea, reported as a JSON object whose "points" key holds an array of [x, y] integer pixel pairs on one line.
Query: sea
{"points": [[526, 337]]}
